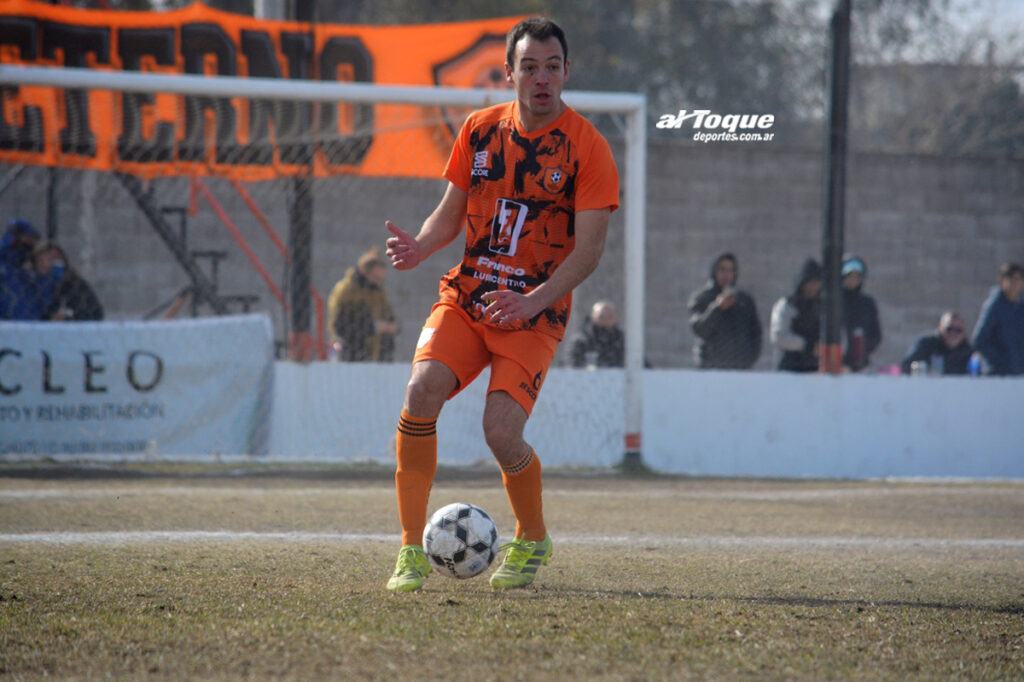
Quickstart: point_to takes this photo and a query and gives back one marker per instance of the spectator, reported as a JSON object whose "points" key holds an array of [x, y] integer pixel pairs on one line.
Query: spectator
{"points": [[999, 334], [860, 316], [360, 316], [946, 351], [601, 342], [724, 320], [21, 297], [796, 321], [72, 298]]}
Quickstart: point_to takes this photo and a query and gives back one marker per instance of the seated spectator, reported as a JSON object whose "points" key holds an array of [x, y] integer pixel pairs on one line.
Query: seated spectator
{"points": [[999, 334], [796, 321], [71, 298], [601, 342], [724, 320], [21, 296], [947, 351], [360, 316]]}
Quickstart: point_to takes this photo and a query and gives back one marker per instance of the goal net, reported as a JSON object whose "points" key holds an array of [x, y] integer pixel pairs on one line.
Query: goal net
{"points": [[182, 196]]}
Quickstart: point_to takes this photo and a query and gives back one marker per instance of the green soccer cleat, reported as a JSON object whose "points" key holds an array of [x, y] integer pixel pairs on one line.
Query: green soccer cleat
{"points": [[412, 569], [521, 562]]}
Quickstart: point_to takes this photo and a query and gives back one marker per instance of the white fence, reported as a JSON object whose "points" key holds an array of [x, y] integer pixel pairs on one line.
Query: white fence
{"points": [[695, 422], [174, 390]]}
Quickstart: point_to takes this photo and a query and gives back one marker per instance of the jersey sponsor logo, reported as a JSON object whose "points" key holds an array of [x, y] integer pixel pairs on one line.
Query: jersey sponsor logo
{"points": [[553, 180], [480, 161], [528, 391], [506, 226], [505, 279]]}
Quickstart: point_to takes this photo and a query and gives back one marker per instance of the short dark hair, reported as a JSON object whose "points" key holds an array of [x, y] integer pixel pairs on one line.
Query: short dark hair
{"points": [[1010, 269], [537, 28], [369, 260]]}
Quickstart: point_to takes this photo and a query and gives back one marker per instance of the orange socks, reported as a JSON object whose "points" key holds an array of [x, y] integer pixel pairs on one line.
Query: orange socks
{"points": [[417, 464], [414, 476], [523, 485]]}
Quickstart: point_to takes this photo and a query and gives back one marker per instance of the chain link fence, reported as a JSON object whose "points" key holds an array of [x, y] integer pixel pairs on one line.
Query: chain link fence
{"points": [[933, 196]]}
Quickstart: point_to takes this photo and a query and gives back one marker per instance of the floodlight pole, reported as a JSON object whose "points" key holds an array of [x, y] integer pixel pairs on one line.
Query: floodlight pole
{"points": [[831, 358]]}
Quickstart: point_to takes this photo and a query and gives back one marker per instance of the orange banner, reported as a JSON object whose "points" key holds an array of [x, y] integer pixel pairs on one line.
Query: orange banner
{"points": [[165, 134]]}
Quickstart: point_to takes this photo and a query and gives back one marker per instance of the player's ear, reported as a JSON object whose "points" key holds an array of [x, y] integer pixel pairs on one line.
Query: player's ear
{"points": [[508, 73], [565, 79]]}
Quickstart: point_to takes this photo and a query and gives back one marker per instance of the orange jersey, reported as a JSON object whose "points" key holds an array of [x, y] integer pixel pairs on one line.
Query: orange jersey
{"points": [[524, 192]]}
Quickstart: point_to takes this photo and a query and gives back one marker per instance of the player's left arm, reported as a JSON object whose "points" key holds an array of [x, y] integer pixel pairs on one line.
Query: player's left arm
{"points": [[591, 230]]}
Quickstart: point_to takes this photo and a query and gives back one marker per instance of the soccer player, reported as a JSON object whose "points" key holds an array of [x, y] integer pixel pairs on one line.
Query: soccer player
{"points": [[534, 183]]}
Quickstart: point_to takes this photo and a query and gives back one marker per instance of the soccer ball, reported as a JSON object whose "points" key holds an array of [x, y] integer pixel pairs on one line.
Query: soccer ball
{"points": [[461, 540]]}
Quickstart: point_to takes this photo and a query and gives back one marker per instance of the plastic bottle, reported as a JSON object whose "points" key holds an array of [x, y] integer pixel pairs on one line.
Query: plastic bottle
{"points": [[974, 365], [857, 349]]}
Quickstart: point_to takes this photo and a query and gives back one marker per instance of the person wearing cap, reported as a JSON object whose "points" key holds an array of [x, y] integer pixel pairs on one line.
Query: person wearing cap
{"points": [[22, 293], [862, 332]]}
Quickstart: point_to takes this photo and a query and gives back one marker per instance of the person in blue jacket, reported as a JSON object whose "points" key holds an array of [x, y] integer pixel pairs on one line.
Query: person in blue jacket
{"points": [[999, 334], [22, 293]]}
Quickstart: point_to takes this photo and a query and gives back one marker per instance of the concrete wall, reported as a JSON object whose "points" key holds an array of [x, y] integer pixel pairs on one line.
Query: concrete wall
{"points": [[698, 423], [933, 231]]}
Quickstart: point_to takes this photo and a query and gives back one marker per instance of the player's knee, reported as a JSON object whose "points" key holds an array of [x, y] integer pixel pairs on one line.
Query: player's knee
{"points": [[503, 438], [426, 391], [422, 398]]}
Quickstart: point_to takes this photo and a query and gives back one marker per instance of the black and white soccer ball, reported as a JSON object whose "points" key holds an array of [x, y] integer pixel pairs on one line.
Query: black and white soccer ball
{"points": [[461, 540]]}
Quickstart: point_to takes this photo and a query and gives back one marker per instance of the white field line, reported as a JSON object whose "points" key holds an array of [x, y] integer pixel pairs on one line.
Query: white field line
{"points": [[120, 538], [779, 495]]}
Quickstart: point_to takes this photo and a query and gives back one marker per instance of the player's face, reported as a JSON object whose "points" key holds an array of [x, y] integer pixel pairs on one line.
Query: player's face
{"points": [[538, 75]]}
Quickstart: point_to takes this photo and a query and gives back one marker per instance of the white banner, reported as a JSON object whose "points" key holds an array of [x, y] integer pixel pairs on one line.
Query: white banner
{"points": [[188, 387]]}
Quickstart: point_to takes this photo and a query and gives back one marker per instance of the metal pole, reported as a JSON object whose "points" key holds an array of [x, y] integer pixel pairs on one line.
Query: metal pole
{"points": [[636, 222], [300, 238], [835, 190], [51, 203]]}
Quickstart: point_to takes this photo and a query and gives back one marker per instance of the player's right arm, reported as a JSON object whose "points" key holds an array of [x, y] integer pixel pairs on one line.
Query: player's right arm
{"points": [[438, 230]]}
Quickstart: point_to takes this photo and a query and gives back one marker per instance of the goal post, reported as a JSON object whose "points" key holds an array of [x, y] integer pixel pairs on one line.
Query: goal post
{"points": [[630, 107]]}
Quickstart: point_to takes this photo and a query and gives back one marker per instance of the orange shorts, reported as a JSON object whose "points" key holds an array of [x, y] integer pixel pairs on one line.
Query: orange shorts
{"points": [[519, 359]]}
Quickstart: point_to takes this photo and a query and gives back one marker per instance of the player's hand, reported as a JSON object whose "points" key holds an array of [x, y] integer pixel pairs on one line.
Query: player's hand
{"points": [[508, 306], [402, 248]]}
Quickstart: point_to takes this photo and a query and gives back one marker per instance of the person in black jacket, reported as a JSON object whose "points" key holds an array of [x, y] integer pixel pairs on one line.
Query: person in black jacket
{"points": [[947, 351], [73, 299], [796, 321], [601, 342], [724, 320], [861, 330]]}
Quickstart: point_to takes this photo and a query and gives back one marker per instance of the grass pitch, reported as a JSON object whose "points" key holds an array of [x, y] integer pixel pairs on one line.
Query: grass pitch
{"points": [[255, 577]]}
